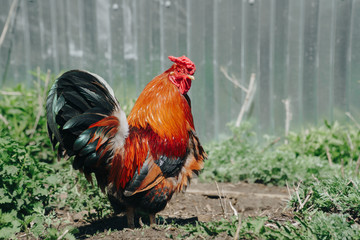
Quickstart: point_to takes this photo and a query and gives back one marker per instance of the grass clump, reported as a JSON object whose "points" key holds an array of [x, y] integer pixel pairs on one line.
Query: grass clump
{"points": [[334, 195], [242, 158]]}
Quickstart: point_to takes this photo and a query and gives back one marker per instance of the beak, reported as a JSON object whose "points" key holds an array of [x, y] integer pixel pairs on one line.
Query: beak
{"points": [[191, 77]]}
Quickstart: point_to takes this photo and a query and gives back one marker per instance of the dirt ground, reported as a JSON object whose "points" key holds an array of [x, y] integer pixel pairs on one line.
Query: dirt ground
{"points": [[201, 202]]}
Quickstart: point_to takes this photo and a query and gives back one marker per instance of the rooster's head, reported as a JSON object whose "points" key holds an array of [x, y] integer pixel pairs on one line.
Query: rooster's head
{"points": [[181, 73]]}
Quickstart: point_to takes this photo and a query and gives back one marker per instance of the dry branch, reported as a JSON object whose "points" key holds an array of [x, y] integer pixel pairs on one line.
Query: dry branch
{"points": [[8, 19], [248, 99], [249, 93], [233, 79], [288, 115]]}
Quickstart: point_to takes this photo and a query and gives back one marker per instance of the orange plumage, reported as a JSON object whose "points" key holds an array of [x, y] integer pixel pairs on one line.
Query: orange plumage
{"points": [[142, 160]]}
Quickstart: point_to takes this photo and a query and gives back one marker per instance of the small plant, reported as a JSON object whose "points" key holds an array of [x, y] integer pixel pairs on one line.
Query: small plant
{"points": [[334, 195]]}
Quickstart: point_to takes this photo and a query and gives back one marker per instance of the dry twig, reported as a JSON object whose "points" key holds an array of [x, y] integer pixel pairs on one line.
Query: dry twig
{"points": [[302, 204], [233, 79], [316, 179], [288, 115], [249, 93], [63, 234], [329, 156], [353, 119], [8, 19], [236, 237], [10, 93], [220, 198], [234, 210], [248, 99], [2, 118]]}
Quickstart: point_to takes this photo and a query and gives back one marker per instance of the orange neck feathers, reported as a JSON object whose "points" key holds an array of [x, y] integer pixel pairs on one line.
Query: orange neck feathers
{"points": [[162, 108]]}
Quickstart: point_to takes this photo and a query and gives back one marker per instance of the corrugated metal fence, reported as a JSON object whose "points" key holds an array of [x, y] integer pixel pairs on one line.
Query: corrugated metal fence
{"points": [[307, 51]]}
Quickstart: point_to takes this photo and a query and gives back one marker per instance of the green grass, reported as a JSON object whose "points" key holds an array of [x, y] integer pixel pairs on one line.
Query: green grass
{"points": [[274, 162], [318, 225], [335, 195], [31, 180], [33, 184]]}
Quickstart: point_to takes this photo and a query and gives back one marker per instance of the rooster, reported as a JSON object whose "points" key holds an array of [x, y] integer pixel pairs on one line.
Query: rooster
{"points": [[141, 160]]}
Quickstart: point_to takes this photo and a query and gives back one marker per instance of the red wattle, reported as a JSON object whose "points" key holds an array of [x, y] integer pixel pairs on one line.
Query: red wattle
{"points": [[183, 83]]}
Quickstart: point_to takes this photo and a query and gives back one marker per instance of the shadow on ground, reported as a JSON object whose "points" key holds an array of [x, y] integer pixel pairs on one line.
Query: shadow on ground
{"points": [[119, 223]]}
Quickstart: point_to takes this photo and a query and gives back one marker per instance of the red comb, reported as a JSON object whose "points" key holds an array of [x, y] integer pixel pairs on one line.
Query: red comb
{"points": [[184, 61]]}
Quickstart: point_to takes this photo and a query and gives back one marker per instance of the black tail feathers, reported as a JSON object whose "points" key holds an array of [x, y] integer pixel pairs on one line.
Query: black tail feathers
{"points": [[76, 100]]}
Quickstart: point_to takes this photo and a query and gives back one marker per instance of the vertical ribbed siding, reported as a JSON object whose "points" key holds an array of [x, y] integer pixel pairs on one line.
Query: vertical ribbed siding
{"points": [[306, 51]]}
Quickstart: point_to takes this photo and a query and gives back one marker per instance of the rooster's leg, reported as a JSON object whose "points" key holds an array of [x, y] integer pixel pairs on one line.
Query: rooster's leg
{"points": [[130, 212], [152, 219]]}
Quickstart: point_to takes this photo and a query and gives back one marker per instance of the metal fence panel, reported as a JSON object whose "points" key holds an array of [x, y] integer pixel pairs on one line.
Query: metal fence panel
{"points": [[306, 51]]}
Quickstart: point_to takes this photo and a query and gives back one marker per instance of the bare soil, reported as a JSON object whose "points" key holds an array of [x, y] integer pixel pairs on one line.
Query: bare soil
{"points": [[201, 202]]}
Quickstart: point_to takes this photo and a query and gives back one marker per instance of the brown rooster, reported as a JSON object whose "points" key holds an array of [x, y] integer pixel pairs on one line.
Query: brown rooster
{"points": [[140, 161]]}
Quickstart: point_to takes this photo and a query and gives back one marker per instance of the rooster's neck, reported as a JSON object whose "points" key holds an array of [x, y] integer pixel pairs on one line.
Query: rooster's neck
{"points": [[164, 109]]}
